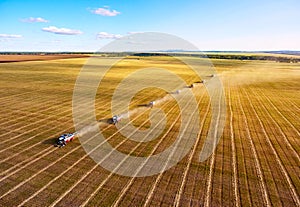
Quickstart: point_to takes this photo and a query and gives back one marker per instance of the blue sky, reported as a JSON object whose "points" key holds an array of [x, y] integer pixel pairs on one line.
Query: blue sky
{"points": [[87, 25]]}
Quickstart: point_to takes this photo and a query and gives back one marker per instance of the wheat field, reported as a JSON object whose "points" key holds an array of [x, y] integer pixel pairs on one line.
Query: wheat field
{"points": [[256, 162]]}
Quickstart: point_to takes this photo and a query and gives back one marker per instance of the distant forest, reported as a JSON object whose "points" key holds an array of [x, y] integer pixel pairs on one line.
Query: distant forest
{"points": [[215, 55]]}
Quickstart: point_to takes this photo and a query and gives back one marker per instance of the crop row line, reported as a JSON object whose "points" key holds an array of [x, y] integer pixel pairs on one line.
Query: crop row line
{"points": [[42, 103], [277, 110], [123, 161], [43, 169], [11, 146], [233, 155], [98, 188], [31, 146], [129, 184], [207, 201], [286, 140], [24, 161], [291, 186], [44, 108], [257, 163], [34, 123], [158, 178], [244, 171], [189, 162], [69, 168]]}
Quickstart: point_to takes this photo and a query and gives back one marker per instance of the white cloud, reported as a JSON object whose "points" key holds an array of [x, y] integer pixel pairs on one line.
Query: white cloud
{"points": [[10, 36], [32, 19], [105, 35], [62, 31], [134, 33], [106, 12]]}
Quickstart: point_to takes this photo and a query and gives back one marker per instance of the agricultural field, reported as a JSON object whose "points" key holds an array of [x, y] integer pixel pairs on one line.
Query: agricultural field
{"points": [[256, 162]]}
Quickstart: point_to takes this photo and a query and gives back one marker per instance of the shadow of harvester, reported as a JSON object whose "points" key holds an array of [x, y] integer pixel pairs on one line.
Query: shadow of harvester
{"points": [[50, 141]]}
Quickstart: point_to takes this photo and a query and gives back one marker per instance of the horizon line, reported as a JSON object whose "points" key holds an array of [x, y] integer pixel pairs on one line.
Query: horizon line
{"points": [[250, 51]]}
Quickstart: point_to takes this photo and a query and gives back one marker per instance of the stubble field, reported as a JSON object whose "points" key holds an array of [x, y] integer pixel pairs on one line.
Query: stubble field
{"points": [[256, 162]]}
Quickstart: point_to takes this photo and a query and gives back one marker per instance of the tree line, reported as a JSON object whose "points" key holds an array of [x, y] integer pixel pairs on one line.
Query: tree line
{"points": [[237, 56]]}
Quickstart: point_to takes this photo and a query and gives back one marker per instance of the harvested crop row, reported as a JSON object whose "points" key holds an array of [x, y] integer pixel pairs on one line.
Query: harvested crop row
{"points": [[262, 183], [28, 164], [281, 129], [56, 177], [279, 161], [46, 168], [163, 181], [99, 186], [131, 182]]}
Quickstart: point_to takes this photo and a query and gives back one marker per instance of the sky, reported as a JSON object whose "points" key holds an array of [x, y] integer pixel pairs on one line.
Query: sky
{"points": [[88, 25]]}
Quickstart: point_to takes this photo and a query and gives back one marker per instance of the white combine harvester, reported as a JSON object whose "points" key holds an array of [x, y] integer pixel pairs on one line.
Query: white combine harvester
{"points": [[64, 139], [114, 120]]}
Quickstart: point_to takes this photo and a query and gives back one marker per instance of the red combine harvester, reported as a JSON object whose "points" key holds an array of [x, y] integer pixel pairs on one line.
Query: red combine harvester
{"points": [[64, 139]]}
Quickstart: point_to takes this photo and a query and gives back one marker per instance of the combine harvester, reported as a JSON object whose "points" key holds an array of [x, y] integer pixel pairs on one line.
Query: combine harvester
{"points": [[68, 137], [114, 120], [64, 139]]}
